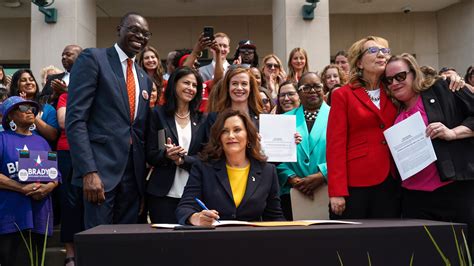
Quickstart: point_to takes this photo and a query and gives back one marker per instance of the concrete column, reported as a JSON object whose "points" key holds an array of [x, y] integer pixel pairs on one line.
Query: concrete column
{"points": [[290, 31], [456, 36], [76, 25]]}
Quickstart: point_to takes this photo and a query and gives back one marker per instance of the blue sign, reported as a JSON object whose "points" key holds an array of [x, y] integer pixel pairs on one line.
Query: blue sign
{"points": [[37, 166]]}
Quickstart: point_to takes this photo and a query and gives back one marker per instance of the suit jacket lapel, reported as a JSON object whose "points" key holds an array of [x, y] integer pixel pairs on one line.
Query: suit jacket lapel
{"points": [[142, 82], [319, 127], [114, 62], [223, 178], [364, 98], [302, 128], [172, 126], [253, 180], [430, 99], [195, 124]]}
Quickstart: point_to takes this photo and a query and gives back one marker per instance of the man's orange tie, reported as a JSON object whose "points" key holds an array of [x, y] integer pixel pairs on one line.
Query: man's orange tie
{"points": [[131, 88]]}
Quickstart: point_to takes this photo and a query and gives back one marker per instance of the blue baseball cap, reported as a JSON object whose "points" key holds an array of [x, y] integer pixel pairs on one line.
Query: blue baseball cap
{"points": [[10, 104]]}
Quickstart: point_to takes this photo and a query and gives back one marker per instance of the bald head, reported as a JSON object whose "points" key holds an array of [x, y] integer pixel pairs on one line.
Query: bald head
{"points": [[69, 56]]}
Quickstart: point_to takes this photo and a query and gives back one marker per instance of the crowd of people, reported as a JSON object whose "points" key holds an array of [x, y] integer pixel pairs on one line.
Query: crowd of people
{"points": [[138, 141]]}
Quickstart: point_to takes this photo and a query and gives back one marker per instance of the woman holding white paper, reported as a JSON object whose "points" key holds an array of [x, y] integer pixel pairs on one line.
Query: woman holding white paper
{"points": [[309, 171], [443, 190]]}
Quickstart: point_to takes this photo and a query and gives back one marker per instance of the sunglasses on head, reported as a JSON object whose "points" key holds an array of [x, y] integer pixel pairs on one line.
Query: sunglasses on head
{"points": [[401, 76], [270, 65], [375, 49], [25, 108]]}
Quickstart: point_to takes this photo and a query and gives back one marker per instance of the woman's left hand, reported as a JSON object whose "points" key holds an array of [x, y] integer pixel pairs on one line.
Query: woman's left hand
{"points": [[308, 184], [298, 138], [40, 190], [439, 130]]}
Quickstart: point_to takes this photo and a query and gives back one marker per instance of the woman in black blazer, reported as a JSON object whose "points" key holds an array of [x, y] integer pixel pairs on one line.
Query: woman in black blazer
{"points": [[183, 131], [233, 180], [443, 190]]}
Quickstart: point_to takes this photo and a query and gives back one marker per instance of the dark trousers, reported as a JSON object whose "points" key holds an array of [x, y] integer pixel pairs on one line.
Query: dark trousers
{"points": [[379, 201], [121, 204], [451, 203], [9, 244], [13, 250], [286, 206], [72, 207], [162, 209]]}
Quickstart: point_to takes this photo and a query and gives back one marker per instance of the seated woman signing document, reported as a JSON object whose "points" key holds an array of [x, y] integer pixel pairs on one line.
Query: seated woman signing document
{"points": [[233, 179]]}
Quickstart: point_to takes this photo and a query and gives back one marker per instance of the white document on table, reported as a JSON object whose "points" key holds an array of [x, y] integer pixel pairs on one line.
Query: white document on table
{"points": [[278, 137], [411, 149]]}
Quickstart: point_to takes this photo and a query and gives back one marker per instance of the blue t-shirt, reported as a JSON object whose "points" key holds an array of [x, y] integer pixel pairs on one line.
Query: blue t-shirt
{"points": [[49, 117], [16, 208]]}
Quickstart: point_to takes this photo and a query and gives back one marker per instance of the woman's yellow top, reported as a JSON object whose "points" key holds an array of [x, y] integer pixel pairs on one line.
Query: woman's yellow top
{"points": [[238, 182]]}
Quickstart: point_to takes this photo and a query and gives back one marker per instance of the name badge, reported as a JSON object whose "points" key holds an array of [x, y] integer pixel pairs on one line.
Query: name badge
{"points": [[37, 166]]}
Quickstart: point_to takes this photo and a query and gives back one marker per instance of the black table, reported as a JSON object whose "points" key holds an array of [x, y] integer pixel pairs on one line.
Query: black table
{"points": [[388, 242]]}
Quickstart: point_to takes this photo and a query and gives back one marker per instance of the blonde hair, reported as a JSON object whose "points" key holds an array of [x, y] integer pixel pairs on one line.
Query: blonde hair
{"points": [[223, 97], [355, 53], [222, 35], [45, 70], [340, 72], [264, 60], [420, 81], [291, 70]]}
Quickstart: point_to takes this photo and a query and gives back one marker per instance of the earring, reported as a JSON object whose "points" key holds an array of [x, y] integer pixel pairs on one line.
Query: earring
{"points": [[249, 145], [12, 125], [359, 72], [32, 127]]}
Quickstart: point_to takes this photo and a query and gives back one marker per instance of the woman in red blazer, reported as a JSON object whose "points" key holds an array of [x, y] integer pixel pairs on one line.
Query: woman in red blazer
{"points": [[358, 158]]}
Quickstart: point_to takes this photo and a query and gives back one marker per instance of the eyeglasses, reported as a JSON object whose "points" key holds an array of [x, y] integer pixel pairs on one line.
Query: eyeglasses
{"points": [[401, 76], [243, 51], [287, 94], [137, 31], [265, 101], [270, 65], [317, 87], [375, 50], [25, 108]]}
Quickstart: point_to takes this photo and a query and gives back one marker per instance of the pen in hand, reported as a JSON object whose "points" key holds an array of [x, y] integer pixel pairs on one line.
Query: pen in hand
{"points": [[203, 206]]}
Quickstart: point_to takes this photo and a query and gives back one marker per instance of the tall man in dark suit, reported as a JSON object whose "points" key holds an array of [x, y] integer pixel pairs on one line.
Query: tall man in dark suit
{"points": [[106, 116], [57, 84]]}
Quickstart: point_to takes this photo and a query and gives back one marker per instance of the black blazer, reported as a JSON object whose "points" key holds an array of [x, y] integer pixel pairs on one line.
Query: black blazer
{"points": [[48, 90], [162, 177], [209, 182], [455, 158]]}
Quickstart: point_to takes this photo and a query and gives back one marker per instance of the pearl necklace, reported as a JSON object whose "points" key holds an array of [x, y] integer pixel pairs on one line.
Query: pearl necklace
{"points": [[372, 98], [182, 117], [310, 116]]}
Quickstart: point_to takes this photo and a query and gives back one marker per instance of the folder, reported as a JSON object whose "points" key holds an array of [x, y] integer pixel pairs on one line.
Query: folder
{"points": [[304, 208]]}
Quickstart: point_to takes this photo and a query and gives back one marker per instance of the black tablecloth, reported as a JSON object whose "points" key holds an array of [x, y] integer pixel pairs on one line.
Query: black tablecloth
{"points": [[387, 242]]}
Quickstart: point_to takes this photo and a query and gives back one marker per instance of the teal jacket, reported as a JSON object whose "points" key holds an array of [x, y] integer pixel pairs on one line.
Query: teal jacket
{"points": [[311, 152]]}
